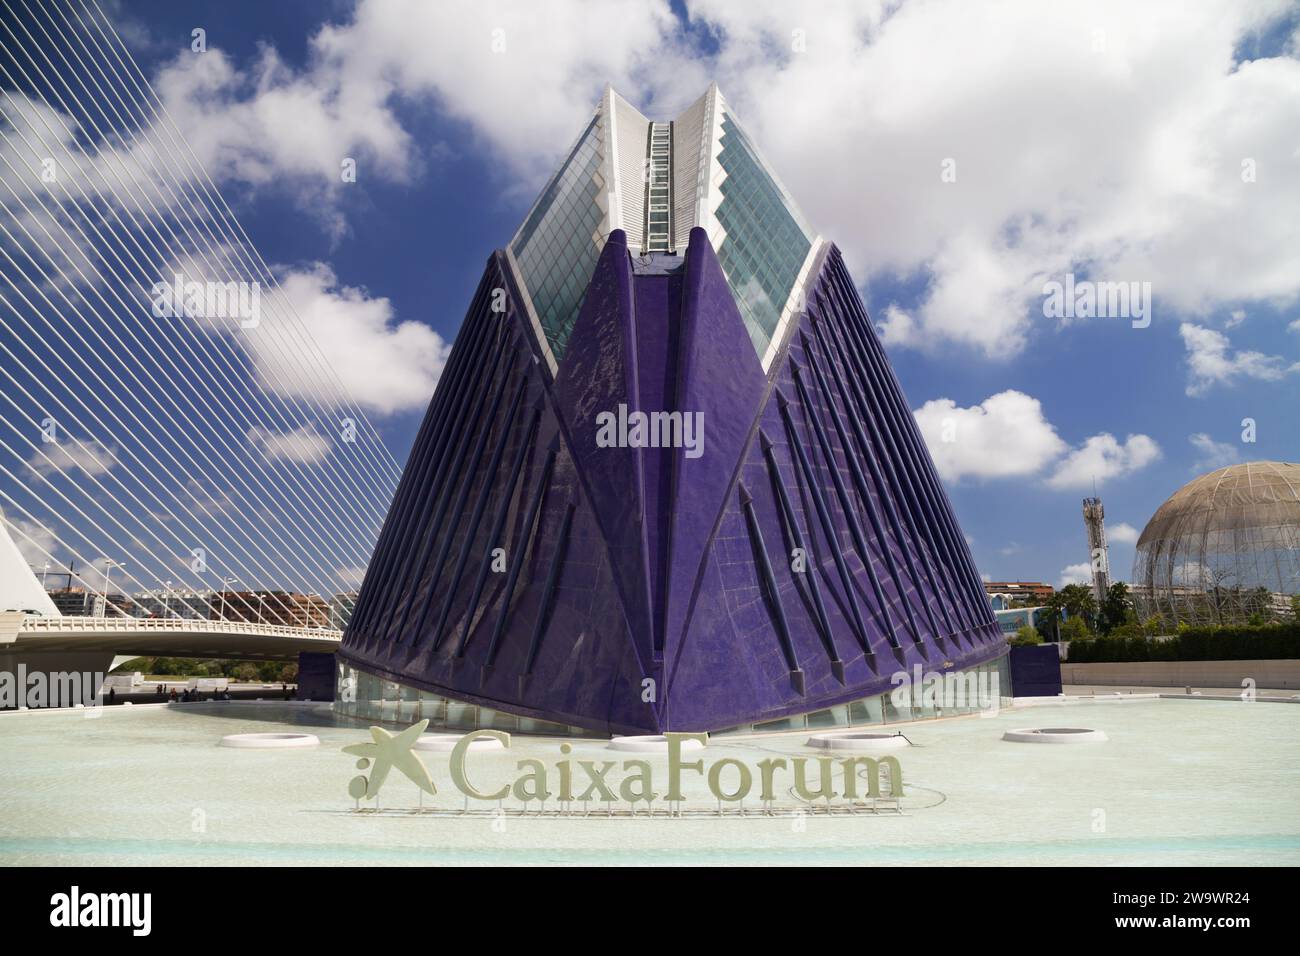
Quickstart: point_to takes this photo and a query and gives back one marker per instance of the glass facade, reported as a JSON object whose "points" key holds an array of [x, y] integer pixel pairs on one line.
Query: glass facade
{"points": [[556, 246], [956, 693], [369, 697], [764, 239], [765, 244]]}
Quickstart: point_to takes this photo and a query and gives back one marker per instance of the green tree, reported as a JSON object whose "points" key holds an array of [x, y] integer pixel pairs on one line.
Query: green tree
{"points": [[1027, 635], [1117, 609], [245, 673], [1074, 629], [1077, 601]]}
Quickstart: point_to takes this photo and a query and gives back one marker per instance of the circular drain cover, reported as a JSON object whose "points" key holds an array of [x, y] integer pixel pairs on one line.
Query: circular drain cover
{"points": [[864, 742], [1055, 735], [650, 743], [445, 743], [269, 741]]}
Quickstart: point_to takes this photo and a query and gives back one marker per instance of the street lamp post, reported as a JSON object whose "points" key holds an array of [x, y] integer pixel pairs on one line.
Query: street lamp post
{"points": [[109, 565], [225, 583]]}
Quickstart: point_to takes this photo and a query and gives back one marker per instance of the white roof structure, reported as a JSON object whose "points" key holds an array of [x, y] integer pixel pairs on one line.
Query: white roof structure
{"points": [[19, 589], [657, 180]]}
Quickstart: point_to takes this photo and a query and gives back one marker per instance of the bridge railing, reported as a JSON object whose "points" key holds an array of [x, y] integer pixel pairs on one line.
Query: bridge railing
{"points": [[135, 625]]}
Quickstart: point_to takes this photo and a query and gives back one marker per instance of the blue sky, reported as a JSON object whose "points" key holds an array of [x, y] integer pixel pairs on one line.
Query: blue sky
{"points": [[1132, 173]]}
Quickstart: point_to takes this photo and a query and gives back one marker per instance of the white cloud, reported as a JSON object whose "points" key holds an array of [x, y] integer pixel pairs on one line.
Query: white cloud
{"points": [[384, 365], [1004, 436], [1015, 98], [303, 445], [350, 577], [470, 59], [271, 125], [1029, 105], [897, 327], [1075, 574], [90, 457], [1007, 435], [1103, 457], [203, 496], [1121, 533], [1212, 454], [1210, 361], [1192, 574], [34, 542]]}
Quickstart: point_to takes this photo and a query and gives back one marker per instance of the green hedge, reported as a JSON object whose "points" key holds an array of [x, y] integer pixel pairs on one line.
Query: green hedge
{"points": [[1241, 643]]}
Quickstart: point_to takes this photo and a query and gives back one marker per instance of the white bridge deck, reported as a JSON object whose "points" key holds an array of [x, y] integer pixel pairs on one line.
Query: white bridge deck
{"points": [[161, 637]]}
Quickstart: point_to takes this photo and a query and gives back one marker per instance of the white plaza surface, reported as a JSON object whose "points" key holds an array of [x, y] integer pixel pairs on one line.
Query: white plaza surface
{"points": [[1196, 782]]}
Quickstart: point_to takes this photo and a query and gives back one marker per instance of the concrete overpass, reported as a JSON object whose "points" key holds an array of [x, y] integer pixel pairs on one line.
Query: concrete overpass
{"points": [[26, 634], [90, 646], [34, 637]]}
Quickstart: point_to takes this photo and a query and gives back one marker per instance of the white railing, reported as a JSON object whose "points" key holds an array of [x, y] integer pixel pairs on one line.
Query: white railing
{"points": [[137, 624]]}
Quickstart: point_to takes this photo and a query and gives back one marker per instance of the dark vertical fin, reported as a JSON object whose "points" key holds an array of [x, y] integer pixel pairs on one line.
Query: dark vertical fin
{"points": [[864, 492], [828, 526], [447, 517], [480, 505], [876, 454], [459, 430], [821, 619], [888, 387], [420, 499], [772, 595], [850, 516], [548, 595], [498, 525], [525, 540], [931, 518]]}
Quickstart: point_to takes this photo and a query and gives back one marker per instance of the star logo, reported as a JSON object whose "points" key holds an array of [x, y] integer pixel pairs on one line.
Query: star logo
{"points": [[389, 751]]}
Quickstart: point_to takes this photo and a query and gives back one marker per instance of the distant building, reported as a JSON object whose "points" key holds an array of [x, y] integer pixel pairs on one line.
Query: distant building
{"points": [[341, 609], [283, 608], [1013, 619], [180, 603], [1034, 591], [73, 601], [80, 602]]}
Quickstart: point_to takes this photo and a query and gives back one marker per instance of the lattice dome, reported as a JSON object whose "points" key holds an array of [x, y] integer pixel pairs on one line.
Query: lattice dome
{"points": [[1224, 548]]}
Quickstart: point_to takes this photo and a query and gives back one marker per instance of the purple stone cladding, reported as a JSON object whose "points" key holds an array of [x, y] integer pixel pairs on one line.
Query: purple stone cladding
{"points": [[622, 565]]}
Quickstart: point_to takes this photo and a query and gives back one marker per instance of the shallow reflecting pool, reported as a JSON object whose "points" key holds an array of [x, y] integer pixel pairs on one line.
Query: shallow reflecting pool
{"points": [[1178, 782]]}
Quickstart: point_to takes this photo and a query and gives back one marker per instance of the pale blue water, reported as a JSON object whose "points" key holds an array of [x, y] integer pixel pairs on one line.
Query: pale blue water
{"points": [[1180, 782]]}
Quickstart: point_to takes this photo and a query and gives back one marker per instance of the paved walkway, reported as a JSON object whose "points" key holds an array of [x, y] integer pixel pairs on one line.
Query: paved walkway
{"points": [[1102, 690]]}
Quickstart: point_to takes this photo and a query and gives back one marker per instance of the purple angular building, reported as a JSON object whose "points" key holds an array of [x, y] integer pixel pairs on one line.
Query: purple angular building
{"points": [[668, 480]]}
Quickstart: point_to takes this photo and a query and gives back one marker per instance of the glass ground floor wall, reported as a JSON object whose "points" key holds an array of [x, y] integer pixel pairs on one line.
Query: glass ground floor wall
{"points": [[914, 696]]}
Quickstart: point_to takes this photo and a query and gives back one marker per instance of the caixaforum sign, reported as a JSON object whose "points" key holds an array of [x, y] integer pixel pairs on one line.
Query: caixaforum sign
{"points": [[633, 779]]}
